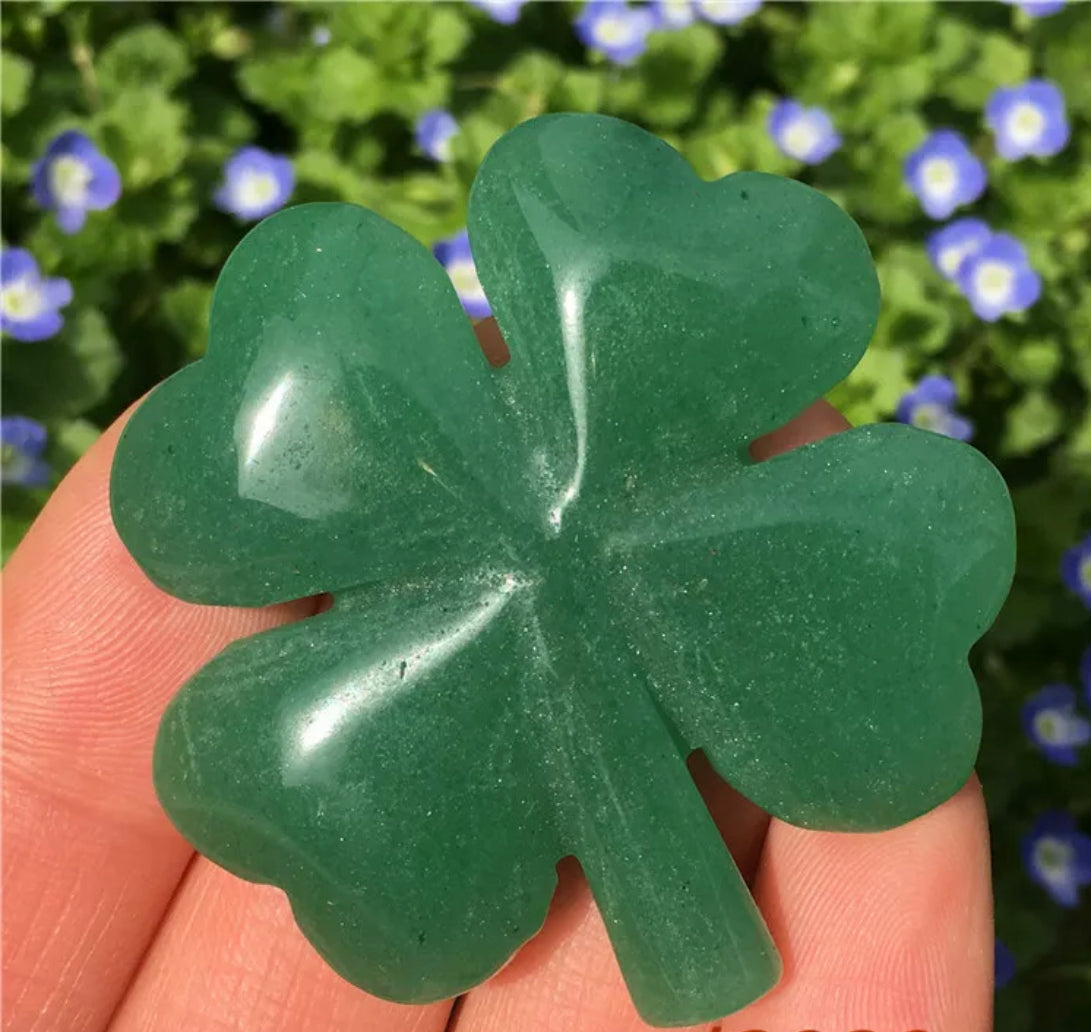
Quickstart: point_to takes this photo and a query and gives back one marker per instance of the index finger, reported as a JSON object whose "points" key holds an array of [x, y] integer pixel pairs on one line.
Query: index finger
{"points": [[92, 653]]}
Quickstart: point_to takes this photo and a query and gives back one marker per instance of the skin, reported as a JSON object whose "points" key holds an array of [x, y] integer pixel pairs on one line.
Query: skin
{"points": [[110, 921]]}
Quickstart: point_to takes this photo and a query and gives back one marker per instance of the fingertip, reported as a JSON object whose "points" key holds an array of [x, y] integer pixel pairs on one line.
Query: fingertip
{"points": [[880, 930], [818, 421]]}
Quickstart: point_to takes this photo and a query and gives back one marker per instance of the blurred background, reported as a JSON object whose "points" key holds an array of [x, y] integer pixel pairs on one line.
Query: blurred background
{"points": [[140, 140]]}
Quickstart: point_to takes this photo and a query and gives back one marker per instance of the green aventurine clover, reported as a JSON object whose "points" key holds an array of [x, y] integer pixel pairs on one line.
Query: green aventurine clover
{"points": [[555, 580]]}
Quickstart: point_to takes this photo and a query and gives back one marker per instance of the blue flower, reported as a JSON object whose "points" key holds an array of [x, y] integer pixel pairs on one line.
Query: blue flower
{"points": [[454, 255], [998, 279], [29, 304], [930, 406], [1057, 856], [1076, 571], [950, 246], [1038, 8], [256, 183], [672, 14], [944, 174], [615, 29], [73, 178], [504, 11], [1051, 722], [726, 12], [22, 442], [321, 35], [1004, 966], [1028, 120], [806, 134], [433, 133], [1085, 674]]}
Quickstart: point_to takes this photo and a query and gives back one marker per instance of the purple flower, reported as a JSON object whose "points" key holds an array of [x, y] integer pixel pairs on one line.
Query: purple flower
{"points": [[256, 183], [321, 35], [998, 279], [433, 133], [806, 134], [930, 406], [1058, 857], [1085, 674], [22, 442], [726, 12], [1051, 722], [672, 14], [29, 304], [1076, 572], [950, 246], [1028, 120], [944, 174], [1038, 8], [454, 255], [1004, 966], [73, 178], [615, 29], [504, 11]]}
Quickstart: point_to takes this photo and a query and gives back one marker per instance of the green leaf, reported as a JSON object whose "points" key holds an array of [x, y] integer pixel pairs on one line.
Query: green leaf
{"points": [[186, 306], [147, 57], [336, 85], [1037, 362], [16, 74], [1035, 420], [1065, 60], [662, 91], [145, 134], [68, 440], [331, 178], [66, 375], [446, 33], [999, 61], [916, 315], [873, 388], [581, 89]]}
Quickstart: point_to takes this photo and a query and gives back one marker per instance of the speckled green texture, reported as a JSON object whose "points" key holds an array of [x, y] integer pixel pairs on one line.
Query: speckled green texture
{"points": [[555, 580]]}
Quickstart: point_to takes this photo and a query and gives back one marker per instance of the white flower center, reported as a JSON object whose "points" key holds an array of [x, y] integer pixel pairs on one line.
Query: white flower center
{"points": [[951, 258], [1085, 572], [801, 137], [256, 189], [929, 416], [21, 300], [614, 32], [939, 176], [993, 282], [69, 179], [720, 8], [442, 147], [676, 12], [1053, 858], [13, 463], [464, 277], [1025, 123], [1052, 727]]}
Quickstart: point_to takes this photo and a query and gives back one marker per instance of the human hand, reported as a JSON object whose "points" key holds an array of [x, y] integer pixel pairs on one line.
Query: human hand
{"points": [[111, 921]]}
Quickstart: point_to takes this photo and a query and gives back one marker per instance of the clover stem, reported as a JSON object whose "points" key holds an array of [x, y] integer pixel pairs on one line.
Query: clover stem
{"points": [[690, 940]]}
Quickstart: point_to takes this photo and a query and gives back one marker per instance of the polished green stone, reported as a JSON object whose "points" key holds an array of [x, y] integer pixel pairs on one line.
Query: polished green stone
{"points": [[553, 581]]}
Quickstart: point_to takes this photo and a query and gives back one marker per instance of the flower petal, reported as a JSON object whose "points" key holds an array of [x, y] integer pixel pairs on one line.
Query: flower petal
{"points": [[17, 263], [43, 326]]}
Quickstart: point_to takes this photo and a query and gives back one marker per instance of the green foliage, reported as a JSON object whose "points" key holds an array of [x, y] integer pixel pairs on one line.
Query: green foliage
{"points": [[169, 91]]}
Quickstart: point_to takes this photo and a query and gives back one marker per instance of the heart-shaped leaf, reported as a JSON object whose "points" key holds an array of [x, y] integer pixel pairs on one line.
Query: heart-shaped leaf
{"points": [[553, 581]]}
